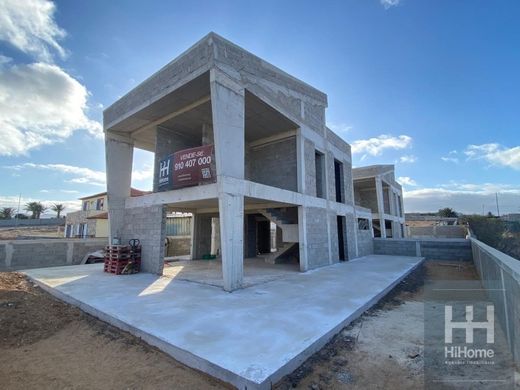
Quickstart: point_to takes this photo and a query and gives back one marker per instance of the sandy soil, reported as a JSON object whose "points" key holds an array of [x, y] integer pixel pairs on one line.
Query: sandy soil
{"points": [[12, 233], [383, 349], [46, 344]]}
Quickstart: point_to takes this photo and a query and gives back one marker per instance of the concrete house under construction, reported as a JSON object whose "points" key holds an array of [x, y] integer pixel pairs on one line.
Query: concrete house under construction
{"points": [[243, 146]]}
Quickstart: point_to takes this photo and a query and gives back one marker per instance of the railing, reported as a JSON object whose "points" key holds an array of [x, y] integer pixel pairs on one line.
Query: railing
{"points": [[500, 275]]}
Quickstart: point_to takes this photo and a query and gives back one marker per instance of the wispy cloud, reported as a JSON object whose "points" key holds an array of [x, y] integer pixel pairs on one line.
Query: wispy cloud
{"points": [[495, 154], [454, 160], [406, 181], [376, 145], [408, 159], [72, 174], [390, 3]]}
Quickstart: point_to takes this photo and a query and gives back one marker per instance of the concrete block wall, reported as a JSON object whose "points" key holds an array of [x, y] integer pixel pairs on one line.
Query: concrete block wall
{"points": [[32, 222], [166, 143], [178, 245], [395, 247], [317, 237], [351, 236], [274, 164], [500, 276], [365, 243], [148, 224], [39, 253], [455, 231], [431, 249], [366, 198], [348, 183]]}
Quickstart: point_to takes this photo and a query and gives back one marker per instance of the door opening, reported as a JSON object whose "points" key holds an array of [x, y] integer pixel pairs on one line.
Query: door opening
{"points": [[341, 238]]}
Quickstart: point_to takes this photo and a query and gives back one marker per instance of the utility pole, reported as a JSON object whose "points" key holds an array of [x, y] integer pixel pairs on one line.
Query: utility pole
{"points": [[498, 210], [17, 217]]}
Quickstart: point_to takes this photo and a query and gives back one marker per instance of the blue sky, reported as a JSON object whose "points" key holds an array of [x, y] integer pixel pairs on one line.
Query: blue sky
{"points": [[432, 86]]}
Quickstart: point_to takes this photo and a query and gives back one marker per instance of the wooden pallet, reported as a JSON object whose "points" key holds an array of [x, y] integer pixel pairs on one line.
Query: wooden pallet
{"points": [[117, 267], [122, 258]]}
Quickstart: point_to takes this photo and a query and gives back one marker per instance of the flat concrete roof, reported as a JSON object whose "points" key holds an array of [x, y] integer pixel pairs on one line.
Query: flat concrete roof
{"points": [[187, 75], [251, 337]]}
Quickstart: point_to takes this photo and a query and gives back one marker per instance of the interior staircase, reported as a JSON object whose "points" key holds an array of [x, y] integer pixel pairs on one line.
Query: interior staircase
{"points": [[289, 235]]}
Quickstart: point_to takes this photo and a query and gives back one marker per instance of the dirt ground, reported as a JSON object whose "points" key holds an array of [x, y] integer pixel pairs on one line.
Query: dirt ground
{"points": [[12, 233], [46, 344], [383, 349]]}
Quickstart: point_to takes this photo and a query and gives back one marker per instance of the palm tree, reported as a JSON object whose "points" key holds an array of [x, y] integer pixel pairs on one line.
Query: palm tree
{"points": [[6, 213], [58, 208], [36, 209]]}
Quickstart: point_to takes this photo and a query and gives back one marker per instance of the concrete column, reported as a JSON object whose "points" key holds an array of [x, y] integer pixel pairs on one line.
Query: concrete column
{"points": [[380, 206], [302, 239], [391, 201], [215, 236], [231, 208], [119, 152], [228, 105]]}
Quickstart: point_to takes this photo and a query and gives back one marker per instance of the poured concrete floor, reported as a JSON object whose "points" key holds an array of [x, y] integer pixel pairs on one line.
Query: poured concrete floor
{"points": [[251, 337], [256, 271]]}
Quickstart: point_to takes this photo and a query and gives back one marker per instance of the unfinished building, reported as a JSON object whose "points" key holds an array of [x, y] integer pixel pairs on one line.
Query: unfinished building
{"points": [[243, 146], [375, 188]]}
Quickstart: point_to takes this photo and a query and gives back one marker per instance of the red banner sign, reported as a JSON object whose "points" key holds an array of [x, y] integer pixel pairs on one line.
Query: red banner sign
{"points": [[193, 166]]}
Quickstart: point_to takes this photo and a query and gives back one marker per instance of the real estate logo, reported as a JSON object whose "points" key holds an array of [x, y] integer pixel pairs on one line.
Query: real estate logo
{"points": [[462, 353], [164, 171]]}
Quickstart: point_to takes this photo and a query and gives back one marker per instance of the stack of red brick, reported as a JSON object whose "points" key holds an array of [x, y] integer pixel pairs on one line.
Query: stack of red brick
{"points": [[122, 259]]}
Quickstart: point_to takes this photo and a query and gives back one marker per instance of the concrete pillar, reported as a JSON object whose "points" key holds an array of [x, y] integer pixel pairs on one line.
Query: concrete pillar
{"points": [[228, 106], [380, 206], [391, 201], [119, 154], [231, 208], [215, 236], [302, 239]]}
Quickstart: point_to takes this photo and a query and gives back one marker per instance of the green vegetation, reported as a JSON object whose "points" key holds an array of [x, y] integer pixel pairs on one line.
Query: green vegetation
{"points": [[447, 213], [36, 209], [6, 213], [499, 234], [58, 208]]}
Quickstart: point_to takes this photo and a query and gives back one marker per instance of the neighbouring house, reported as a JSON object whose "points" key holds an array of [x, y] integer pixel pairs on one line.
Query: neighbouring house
{"points": [[243, 147], [92, 220], [376, 189], [428, 225]]}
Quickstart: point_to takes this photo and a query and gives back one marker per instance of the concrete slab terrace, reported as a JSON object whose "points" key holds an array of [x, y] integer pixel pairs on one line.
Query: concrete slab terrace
{"points": [[256, 271], [250, 338]]}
